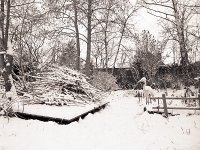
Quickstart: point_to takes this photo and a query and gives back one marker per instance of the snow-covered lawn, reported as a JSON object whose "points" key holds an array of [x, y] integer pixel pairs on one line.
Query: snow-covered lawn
{"points": [[122, 125]]}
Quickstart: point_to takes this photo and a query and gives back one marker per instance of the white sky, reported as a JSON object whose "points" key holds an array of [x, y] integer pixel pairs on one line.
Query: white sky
{"points": [[146, 21]]}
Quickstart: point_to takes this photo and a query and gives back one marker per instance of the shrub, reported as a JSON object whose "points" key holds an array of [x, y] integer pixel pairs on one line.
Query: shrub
{"points": [[104, 81]]}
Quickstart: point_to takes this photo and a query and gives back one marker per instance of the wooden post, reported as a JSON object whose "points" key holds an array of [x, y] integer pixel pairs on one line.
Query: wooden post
{"points": [[199, 86], [165, 105], [199, 99], [140, 98]]}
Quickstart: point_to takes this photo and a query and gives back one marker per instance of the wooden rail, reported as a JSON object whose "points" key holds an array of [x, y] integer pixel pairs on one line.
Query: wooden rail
{"points": [[176, 98], [183, 108], [165, 107]]}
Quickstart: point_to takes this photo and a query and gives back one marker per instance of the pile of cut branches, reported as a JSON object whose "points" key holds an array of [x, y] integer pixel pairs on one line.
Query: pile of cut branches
{"points": [[56, 85]]}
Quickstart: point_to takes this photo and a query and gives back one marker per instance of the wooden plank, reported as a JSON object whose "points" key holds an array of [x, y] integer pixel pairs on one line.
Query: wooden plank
{"points": [[165, 105], [59, 120], [41, 118], [181, 108], [90, 111]]}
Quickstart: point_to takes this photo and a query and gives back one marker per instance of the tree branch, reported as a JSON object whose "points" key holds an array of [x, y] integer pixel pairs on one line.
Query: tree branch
{"points": [[157, 4], [157, 11], [162, 18], [18, 5]]}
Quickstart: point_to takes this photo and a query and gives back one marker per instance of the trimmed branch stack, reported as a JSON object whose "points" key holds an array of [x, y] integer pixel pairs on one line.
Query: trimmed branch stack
{"points": [[56, 85]]}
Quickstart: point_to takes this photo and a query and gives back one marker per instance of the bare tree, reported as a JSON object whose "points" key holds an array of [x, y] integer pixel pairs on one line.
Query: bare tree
{"points": [[6, 58], [105, 32], [126, 11], [77, 34], [67, 13], [178, 14], [89, 35], [28, 33]]}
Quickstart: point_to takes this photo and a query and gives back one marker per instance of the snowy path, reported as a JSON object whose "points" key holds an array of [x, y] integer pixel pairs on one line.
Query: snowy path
{"points": [[120, 126]]}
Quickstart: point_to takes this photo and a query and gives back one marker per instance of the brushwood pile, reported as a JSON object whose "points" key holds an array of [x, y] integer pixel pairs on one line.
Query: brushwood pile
{"points": [[58, 85]]}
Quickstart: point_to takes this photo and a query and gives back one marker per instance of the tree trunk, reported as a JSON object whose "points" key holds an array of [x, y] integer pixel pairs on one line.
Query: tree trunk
{"points": [[2, 16], [105, 39], [118, 48], [7, 22], [181, 36], [77, 35], [89, 33], [6, 58], [106, 48]]}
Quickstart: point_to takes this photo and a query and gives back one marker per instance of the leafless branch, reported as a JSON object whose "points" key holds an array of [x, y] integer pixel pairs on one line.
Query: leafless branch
{"points": [[162, 18], [157, 11], [157, 4], [18, 5]]}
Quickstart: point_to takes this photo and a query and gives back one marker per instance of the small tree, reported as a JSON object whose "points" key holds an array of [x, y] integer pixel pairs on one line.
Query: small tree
{"points": [[148, 53]]}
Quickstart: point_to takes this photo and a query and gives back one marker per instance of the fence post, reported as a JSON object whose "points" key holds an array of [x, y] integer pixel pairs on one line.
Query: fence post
{"points": [[158, 104], [199, 99], [199, 86], [165, 105]]}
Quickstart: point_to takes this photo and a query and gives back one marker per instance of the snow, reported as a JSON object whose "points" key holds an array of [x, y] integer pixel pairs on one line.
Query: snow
{"points": [[10, 48], [12, 92], [121, 125], [65, 112], [197, 78]]}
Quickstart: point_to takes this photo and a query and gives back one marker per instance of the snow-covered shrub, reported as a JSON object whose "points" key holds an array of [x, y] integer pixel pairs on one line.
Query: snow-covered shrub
{"points": [[170, 81], [104, 81]]}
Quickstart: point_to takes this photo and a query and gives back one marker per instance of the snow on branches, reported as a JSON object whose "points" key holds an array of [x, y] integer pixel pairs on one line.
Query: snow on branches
{"points": [[58, 85]]}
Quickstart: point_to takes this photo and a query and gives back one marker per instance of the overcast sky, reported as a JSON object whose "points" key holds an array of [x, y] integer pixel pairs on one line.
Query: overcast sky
{"points": [[146, 21]]}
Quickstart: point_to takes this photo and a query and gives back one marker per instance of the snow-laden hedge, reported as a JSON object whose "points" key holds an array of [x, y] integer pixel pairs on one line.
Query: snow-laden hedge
{"points": [[104, 81]]}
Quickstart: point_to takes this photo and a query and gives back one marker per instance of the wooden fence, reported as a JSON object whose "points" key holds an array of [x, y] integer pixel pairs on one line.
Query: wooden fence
{"points": [[165, 107]]}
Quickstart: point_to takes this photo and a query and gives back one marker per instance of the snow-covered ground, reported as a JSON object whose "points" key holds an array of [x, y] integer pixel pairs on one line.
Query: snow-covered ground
{"points": [[64, 112], [122, 125]]}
